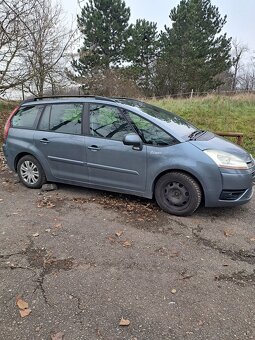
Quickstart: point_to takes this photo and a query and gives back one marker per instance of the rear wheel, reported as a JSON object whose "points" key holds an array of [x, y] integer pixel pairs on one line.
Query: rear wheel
{"points": [[30, 172], [178, 193]]}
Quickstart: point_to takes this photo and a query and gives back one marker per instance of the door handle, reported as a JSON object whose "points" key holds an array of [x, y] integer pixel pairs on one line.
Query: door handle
{"points": [[94, 148], [44, 141]]}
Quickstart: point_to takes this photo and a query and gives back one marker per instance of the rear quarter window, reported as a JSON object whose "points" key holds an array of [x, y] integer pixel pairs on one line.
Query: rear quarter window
{"points": [[26, 117]]}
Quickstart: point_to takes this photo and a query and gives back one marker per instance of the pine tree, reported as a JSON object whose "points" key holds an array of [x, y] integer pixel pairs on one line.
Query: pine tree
{"points": [[194, 50], [142, 51], [104, 27]]}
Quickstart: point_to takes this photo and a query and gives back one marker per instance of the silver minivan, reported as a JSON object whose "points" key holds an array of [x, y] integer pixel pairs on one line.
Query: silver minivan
{"points": [[127, 146]]}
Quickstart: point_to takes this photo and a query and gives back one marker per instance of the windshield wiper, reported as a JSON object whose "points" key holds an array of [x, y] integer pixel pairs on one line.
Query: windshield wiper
{"points": [[196, 134]]}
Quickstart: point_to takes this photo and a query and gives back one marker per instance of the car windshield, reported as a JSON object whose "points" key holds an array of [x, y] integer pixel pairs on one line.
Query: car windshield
{"points": [[176, 123]]}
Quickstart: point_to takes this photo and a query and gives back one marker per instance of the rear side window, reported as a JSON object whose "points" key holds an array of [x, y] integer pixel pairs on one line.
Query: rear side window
{"points": [[26, 117], [64, 118]]}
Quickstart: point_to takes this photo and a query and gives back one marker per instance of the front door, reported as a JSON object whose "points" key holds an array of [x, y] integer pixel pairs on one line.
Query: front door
{"points": [[112, 164]]}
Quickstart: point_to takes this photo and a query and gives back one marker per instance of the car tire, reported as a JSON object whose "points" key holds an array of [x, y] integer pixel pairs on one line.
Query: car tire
{"points": [[178, 193], [30, 172]]}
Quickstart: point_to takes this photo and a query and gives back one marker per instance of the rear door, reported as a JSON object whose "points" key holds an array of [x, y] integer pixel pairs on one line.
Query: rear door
{"points": [[60, 140], [110, 163]]}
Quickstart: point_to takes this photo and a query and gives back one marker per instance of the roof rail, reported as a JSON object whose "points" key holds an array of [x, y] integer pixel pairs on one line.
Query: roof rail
{"points": [[34, 99], [126, 98]]}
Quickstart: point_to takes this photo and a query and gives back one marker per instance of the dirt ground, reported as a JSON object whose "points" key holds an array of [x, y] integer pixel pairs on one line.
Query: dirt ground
{"points": [[84, 259]]}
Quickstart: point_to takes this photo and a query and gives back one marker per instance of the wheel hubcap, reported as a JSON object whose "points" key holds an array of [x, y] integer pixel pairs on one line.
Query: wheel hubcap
{"points": [[176, 194], [29, 172]]}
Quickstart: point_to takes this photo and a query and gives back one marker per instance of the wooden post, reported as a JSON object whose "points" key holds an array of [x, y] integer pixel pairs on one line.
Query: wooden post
{"points": [[238, 135]]}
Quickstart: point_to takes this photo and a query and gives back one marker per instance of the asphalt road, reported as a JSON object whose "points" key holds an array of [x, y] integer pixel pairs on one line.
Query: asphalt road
{"points": [[84, 259]]}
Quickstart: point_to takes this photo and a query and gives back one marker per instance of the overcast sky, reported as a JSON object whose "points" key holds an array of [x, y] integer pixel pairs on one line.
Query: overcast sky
{"points": [[240, 15]]}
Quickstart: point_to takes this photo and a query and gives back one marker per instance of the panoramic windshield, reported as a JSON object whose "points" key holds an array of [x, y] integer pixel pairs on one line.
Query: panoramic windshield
{"points": [[176, 123]]}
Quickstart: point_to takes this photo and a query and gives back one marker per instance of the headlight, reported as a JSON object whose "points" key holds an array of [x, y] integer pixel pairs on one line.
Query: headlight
{"points": [[226, 160]]}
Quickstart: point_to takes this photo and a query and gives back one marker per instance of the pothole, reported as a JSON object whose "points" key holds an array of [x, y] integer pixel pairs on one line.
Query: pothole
{"points": [[38, 258]]}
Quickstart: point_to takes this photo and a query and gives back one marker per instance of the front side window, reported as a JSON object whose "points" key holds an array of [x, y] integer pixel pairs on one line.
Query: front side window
{"points": [[64, 118], [26, 117], [149, 132], [107, 122], [180, 127]]}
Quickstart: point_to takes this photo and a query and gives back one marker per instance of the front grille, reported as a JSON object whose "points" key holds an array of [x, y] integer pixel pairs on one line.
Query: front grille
{"points": [[231, 195]]}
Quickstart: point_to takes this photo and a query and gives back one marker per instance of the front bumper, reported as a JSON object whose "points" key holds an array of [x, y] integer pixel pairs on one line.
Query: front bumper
{"points": [[237, 188]]}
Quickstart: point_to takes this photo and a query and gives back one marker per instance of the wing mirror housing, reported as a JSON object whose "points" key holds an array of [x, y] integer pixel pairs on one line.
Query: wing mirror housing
{"points": [[134, 140]]}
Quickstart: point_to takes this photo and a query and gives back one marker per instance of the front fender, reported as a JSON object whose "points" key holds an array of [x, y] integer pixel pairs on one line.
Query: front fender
{"points": [[187, 158]]}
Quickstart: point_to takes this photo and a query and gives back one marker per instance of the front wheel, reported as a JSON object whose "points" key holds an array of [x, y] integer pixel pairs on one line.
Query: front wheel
{"points": [[30, 172], [178, 193]]}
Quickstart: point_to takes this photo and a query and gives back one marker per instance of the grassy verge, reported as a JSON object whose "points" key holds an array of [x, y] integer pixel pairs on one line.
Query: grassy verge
{"points": [[214, 113]]}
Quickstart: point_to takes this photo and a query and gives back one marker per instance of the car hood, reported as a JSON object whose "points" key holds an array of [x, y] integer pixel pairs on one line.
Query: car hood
{"points": [[219, 143]]}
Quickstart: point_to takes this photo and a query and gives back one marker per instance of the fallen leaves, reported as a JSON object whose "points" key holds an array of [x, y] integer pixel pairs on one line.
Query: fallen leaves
{"points": [[119, 233], [228, 232], [57, 336], [124, 322], [58, 226], [45, 202], [162, 251], [24, 310], [116, 239], [174, 254], [135, 210], [200, 323], [21, 303], [165, 252], [112, 239], [127, 243]]}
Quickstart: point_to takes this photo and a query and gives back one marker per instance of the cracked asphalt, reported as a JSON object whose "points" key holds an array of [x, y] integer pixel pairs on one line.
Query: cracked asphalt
{"points": [[83, 259]]}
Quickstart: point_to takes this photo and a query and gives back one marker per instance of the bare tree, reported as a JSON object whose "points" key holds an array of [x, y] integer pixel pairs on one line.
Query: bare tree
{"points": [[111, 83], [247, 77], [33, 46], [238, 52], [13, 14], [48, 46]]}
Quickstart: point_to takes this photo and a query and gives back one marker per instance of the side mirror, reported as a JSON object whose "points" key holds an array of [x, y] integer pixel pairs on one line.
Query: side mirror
{"points": [[134, 140]]}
